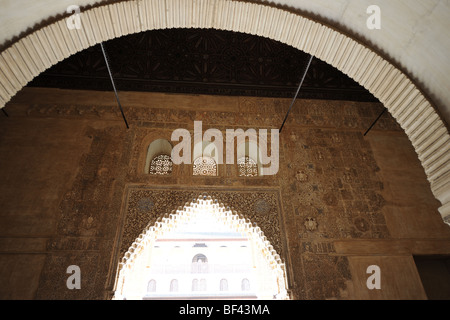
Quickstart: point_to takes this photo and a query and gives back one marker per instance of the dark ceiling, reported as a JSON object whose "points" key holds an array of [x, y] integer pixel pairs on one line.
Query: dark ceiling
{"points": [[202, 61]]}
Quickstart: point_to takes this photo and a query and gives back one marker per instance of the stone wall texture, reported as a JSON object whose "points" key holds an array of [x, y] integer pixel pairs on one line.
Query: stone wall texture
{"points": [[73, 191]]}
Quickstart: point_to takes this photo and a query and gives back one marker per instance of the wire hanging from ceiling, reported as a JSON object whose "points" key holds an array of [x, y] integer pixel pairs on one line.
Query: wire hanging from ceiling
{"points": [[298, 90], [113, 84]]}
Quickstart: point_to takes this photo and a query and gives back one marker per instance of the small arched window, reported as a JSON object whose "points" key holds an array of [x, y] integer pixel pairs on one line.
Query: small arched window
{"points": [[151, 286], [247, 167], [174, 285], [195, 285], [245, 285], [159, 161], [204, 166], [223, 285], [161, 165]]}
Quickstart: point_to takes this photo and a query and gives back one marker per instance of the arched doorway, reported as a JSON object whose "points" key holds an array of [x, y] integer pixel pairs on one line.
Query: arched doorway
{"points": [[202, 251]]}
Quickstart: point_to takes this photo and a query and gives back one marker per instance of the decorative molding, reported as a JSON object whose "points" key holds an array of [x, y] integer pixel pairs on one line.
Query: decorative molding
{"points": [[335, 114]]}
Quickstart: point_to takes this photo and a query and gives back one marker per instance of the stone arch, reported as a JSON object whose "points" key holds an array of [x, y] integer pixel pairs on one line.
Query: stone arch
{"points": [[37, 51], [139, 249]]}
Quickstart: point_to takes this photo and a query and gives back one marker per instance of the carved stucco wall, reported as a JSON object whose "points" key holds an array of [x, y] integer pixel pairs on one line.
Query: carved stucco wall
{"points": [[34, 53], [335, 202], [331, 211]]}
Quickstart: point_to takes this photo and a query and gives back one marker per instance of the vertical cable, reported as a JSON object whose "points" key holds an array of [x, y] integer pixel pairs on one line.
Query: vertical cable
{"points": [[114, 86], [298, 90]]}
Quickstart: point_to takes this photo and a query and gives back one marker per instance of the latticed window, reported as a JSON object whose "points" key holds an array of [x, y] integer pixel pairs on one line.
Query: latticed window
{"points": [[205, 166], [247, 167], [161, 165]]}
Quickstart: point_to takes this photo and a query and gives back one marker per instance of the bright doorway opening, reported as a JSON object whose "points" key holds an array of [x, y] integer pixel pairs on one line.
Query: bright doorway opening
{"points": [[203, 251]]}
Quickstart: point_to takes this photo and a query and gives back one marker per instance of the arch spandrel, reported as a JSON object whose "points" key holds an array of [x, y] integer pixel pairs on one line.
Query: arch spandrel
{"points": [[148, 207]]}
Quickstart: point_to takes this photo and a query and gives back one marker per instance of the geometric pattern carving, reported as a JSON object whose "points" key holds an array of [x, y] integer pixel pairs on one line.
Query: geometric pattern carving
{"points": [[161, 165], [247, 167], [262, 206], [204, 166]]}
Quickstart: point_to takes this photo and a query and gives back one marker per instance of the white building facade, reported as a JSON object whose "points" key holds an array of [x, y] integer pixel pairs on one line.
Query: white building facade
{"points": [[201, 268]]}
